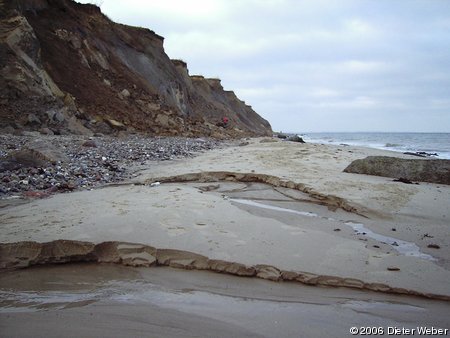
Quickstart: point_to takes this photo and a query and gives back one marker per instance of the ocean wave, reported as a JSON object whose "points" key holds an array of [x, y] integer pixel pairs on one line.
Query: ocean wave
{"points": [[438, 143]]}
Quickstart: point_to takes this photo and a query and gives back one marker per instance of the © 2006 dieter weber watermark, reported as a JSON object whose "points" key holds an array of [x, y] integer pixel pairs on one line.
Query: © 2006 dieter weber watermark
{"points": [[398, 331]]}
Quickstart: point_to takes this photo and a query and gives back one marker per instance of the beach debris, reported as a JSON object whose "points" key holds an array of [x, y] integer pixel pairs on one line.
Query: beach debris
{"points": [[90, 143], [393, 268], [209, 187], [427, 236], [394, 229], [433, 246], [420, 154], [36, 194], [268, 140], [155, 184], [71, 162], [337, 229], [404, 180], [376, 246]]}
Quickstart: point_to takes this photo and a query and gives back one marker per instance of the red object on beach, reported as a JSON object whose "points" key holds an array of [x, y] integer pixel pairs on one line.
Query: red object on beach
{"points": [[225, 120], [36, 194]]}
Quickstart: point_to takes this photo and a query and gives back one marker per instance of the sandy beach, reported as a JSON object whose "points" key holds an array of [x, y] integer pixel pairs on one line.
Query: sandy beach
{"points": [[224, 169], [286, 210]]}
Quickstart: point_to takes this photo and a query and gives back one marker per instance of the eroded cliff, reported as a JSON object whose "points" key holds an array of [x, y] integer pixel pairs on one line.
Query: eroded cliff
{"points": [[65, 67]]}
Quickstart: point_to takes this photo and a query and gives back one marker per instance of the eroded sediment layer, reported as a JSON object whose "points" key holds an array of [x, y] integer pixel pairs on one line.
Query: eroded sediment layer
{"points": [[331, 201], [26, 254]]}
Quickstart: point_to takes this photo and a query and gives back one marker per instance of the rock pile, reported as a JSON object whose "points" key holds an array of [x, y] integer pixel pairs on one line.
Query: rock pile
{"points": [[38, 167]]}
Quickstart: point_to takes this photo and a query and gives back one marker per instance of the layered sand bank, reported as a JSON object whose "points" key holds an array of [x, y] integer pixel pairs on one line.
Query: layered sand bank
{"points": [[301, 220]]}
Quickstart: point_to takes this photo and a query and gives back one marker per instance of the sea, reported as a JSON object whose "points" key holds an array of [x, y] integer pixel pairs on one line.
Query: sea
{"points": [[434, 143]]}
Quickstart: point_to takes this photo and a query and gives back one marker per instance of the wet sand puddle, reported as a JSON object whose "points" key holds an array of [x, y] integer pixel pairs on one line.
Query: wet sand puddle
{"points": [[262, 308], [253, 195], [402, 247], [139, 291]]}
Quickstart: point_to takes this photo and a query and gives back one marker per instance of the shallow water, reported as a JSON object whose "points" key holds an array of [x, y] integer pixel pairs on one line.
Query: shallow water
{"points": [[401, 246], [271, 207], [197, 301]]}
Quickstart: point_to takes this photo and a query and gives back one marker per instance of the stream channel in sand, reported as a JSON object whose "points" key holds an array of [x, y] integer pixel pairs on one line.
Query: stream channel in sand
{"points": [[402, 247]]}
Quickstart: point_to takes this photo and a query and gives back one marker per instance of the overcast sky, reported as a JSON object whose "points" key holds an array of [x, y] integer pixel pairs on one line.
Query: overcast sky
{"points": [[314, 65]]}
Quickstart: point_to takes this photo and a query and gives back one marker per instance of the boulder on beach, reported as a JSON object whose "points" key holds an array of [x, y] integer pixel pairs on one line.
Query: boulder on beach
{"points": [[424, 170], [36, 153], [296, 138], [24, 158], [46, 150]]}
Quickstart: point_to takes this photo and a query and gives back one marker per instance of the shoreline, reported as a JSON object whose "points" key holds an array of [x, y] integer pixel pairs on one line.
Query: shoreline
{"points": [[389, 145]]}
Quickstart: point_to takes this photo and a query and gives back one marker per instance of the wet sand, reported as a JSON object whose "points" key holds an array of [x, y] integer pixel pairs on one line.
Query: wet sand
{"points": [[109, 300], [281, 204], [215, 224]]}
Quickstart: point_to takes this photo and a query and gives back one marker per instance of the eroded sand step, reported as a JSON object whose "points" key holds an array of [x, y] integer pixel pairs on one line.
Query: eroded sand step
{"points": [[331, 201], [26, 254]]}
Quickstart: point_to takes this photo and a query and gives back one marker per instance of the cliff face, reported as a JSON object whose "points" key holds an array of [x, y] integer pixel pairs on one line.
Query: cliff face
{"points": [[65, 67]]}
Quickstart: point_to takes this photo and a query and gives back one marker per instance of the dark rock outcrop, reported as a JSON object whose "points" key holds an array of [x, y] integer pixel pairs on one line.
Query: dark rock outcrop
{"points": [[66, 68], [296, 138], [426, 170], [420, 154]]}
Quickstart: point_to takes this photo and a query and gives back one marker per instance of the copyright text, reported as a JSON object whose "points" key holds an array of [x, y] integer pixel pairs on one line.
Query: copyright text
{"points": [[398, 331]]}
